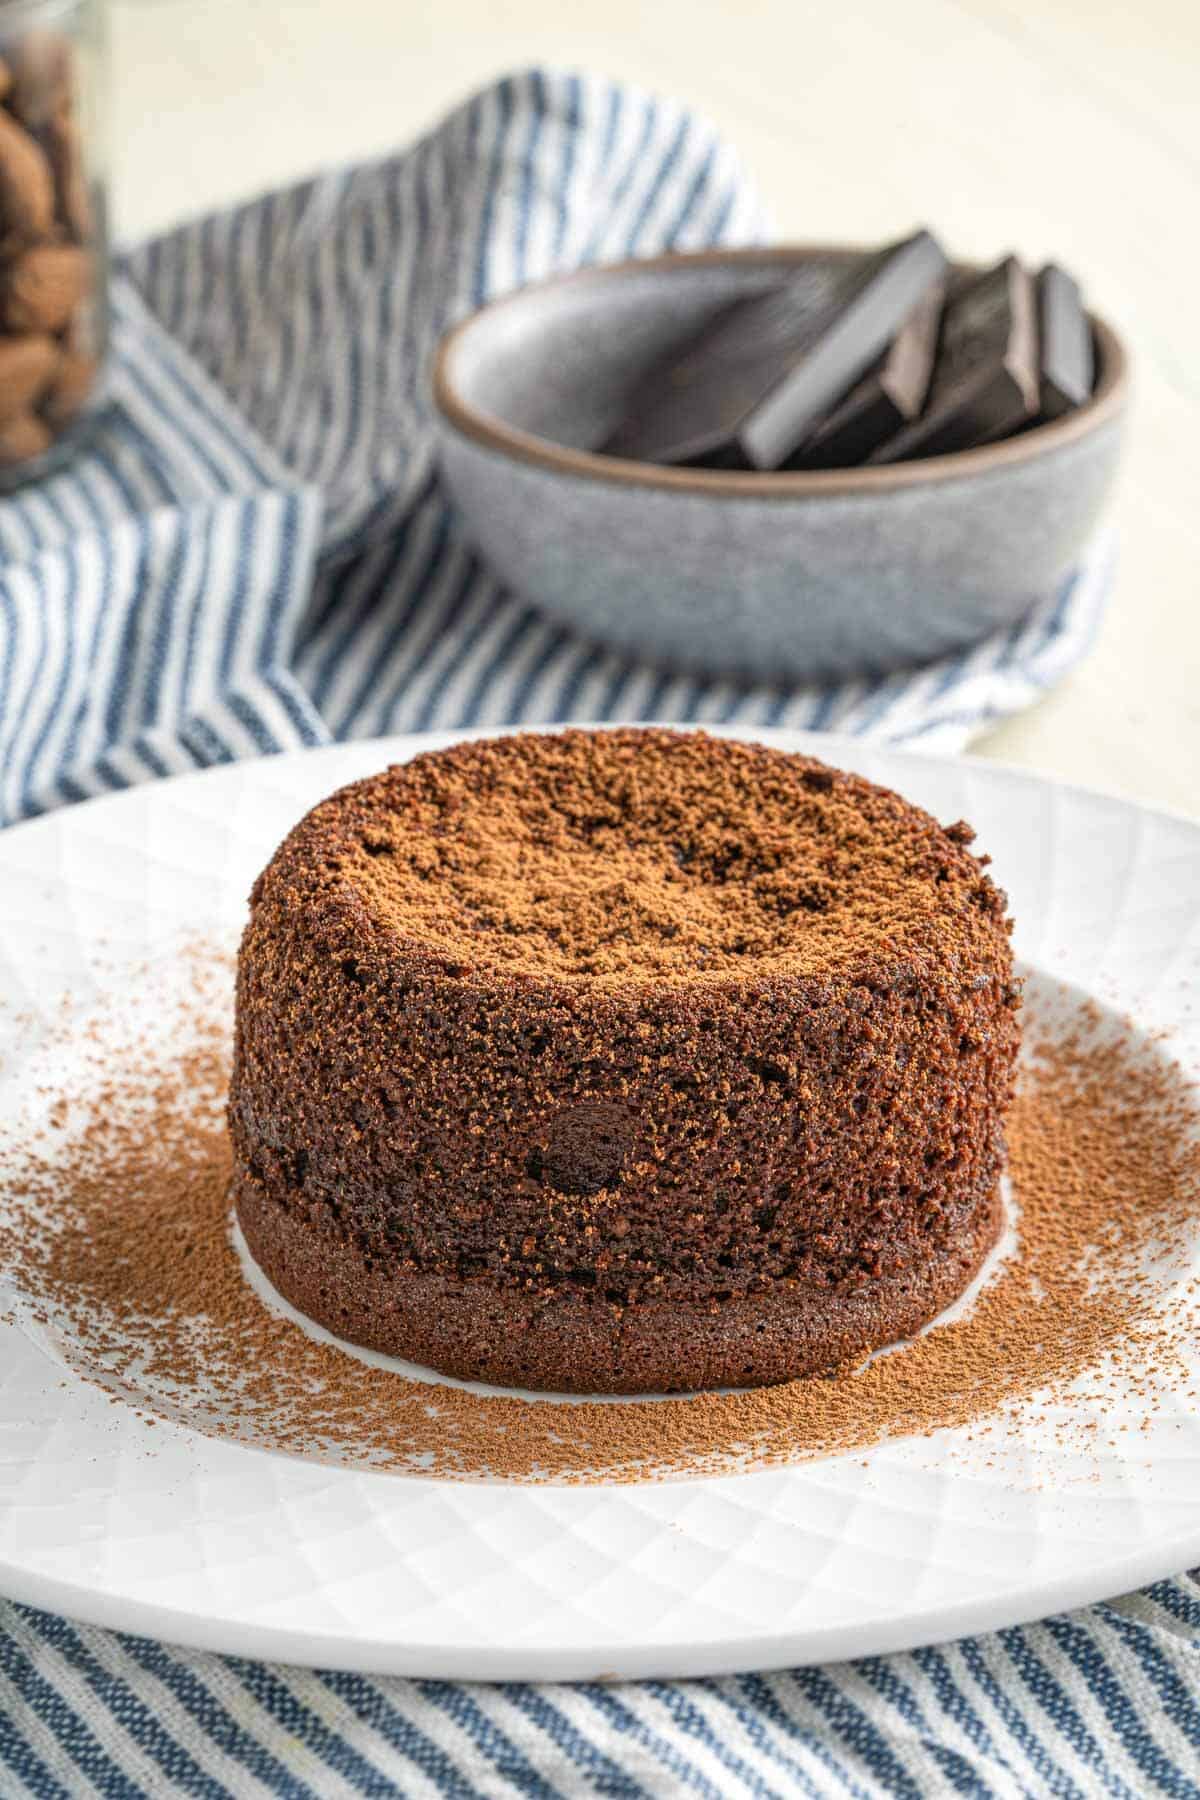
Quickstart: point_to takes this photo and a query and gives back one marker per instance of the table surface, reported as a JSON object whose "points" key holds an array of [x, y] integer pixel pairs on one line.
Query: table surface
{"points": [[1064, 130]]}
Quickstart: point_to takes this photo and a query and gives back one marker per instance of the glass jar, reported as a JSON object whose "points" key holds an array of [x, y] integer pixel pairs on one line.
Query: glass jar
{"points": [[53, 234]]}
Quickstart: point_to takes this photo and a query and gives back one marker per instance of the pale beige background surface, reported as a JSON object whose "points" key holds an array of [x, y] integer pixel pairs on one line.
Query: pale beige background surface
{"points": [[1064, 127]]}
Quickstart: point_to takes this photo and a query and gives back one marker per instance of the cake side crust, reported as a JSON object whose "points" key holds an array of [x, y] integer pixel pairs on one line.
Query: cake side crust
{"points": [[573, 1343]]}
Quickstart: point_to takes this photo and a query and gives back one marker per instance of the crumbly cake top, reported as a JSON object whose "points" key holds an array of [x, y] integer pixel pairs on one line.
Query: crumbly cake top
{"points": [[634, 854]]}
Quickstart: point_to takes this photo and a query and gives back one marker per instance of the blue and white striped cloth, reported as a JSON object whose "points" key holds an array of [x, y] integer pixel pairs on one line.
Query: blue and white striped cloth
{"points": [[1098, 1703], [255, 554]]}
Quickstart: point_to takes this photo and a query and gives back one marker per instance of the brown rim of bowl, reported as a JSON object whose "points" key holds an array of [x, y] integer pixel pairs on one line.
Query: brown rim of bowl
{"points": [[1105, 403]]}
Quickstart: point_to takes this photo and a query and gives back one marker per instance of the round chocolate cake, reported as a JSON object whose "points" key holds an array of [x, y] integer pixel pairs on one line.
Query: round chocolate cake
{"points": [[622, 1061]]}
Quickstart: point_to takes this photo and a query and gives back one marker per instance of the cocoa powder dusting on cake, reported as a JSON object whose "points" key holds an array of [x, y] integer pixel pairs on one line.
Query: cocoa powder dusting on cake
{"points": [[635, 853], [121, 1243]]}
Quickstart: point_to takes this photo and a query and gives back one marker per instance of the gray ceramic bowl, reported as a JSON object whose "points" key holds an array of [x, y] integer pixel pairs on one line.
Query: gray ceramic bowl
{"points": [[766, 576]]}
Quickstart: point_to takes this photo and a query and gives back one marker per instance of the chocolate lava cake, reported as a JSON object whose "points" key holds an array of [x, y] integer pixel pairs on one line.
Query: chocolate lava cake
{"points": [[622, 1061]]}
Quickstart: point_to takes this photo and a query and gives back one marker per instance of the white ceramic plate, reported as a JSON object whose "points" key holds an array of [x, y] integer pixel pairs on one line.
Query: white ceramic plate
{"points": [[217, 1544]]}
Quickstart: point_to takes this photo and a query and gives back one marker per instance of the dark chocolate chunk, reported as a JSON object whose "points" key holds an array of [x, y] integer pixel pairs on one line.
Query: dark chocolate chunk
{"points": [[985, 376], [887, 397], [725, 456], [691, 403], [761, 373], [844, 348], [1067, 361]]}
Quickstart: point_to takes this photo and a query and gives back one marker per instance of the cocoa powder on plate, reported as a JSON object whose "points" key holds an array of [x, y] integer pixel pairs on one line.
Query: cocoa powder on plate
{"points": [[124, 1251]]}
